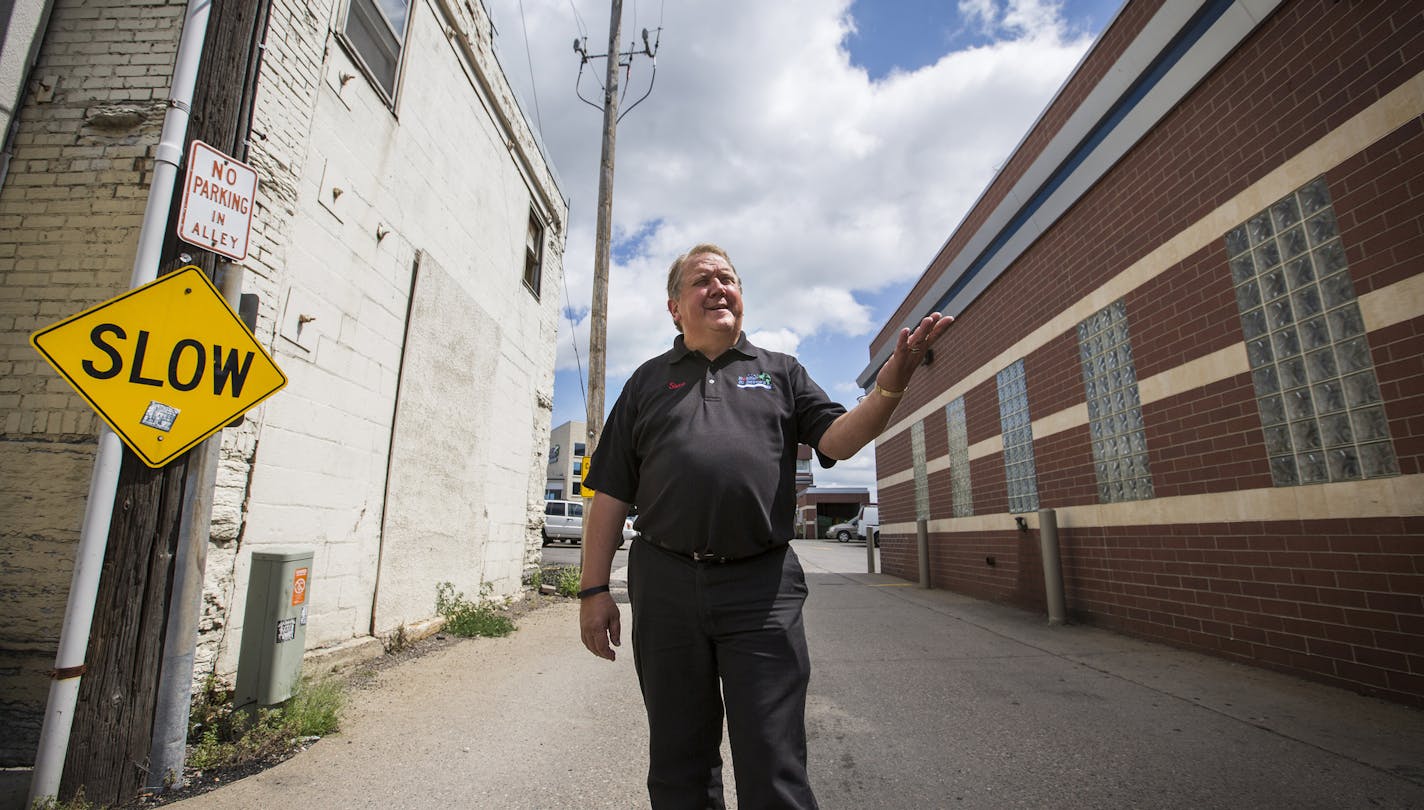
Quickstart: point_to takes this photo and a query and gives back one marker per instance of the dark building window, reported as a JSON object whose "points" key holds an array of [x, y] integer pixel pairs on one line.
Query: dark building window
{"points": [[375, 30], [534, 259], [1315, 382]]}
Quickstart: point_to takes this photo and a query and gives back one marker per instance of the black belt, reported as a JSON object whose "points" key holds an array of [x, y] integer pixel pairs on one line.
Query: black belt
{"points": [[703, 557]]}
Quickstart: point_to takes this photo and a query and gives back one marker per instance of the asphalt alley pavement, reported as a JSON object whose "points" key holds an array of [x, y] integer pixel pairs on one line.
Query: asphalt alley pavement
{"points": [[919, 699]]}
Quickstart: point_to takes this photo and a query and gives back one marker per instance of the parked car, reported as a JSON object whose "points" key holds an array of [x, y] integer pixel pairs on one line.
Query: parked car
{"points": [[563, 520], [843, 531], [629, 533]]}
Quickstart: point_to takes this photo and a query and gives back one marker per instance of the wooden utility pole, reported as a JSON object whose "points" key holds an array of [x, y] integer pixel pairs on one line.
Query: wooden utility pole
{"points": [[598, 319]]}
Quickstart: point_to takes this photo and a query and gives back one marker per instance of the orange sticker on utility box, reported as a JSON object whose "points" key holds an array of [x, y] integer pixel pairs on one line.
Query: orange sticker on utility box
{"points": [[299, 587]]}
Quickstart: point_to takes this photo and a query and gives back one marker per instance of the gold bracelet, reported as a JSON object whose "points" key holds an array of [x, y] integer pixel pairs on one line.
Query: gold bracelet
{"points": [[889, 394]]}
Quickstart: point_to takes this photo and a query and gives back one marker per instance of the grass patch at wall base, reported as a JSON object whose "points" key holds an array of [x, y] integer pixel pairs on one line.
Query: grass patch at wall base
{"points": [[469, 619]]}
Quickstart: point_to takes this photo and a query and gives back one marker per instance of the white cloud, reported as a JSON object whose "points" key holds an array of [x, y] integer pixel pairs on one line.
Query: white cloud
{"points": [[760, 135], [856, 471], [776, 340]]}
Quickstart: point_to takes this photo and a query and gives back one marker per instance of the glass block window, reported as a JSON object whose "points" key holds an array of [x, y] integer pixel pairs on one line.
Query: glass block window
{"points": [[1018, 439], [1315, 383], [963, 497], [922, 478], [1114, 408]]}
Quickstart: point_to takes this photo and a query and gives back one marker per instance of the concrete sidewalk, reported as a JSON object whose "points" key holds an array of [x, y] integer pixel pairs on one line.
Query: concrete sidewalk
{"points": [[919, 699]]}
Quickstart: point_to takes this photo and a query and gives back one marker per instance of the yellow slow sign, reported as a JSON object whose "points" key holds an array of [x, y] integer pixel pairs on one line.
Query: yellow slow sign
{"points": [[166, 364]]}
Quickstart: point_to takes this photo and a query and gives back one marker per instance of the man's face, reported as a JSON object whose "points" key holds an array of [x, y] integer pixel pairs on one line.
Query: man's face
{"points": [[710, 301]]}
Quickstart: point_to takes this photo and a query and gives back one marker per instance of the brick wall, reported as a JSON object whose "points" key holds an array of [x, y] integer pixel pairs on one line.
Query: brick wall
{"points": [[1110, 45], [70, 211], [1339, 600], [1333, 599]]}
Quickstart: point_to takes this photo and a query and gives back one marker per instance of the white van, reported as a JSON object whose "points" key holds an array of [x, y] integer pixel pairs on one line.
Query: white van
{"points": [[868, 522], [563, 520]]}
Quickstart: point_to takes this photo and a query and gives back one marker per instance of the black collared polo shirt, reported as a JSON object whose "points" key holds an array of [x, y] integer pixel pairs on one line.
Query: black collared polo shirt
{"points": [[707, 450]]}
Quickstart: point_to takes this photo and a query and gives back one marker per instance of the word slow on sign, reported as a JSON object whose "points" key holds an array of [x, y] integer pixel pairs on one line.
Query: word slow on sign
{"points": [[165, 365]]}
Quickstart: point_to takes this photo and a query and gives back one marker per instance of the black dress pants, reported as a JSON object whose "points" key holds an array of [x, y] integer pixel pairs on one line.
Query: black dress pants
{"points": [[713, 635]]}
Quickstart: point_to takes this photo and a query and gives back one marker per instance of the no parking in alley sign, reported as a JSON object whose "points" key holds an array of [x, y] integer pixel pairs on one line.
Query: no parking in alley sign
{"points": [[219, 194]]}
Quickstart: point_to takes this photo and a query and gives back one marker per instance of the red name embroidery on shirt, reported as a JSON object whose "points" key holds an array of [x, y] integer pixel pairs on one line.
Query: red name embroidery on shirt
{"points": [[673, 386]]}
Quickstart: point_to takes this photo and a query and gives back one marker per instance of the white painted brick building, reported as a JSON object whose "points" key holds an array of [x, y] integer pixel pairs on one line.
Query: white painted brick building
{"points": [[391, 250]]}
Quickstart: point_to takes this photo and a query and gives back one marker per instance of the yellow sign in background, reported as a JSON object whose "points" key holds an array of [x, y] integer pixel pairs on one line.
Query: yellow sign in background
{"points": [[166, 364]]}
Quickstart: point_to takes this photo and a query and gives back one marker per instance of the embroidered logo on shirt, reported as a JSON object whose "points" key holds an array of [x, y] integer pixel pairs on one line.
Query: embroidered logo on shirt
{"points": [[673, 386], [762, 380]]}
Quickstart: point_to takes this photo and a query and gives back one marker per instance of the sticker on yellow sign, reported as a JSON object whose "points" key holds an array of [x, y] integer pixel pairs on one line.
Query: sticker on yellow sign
{"points": [[166, 364]]}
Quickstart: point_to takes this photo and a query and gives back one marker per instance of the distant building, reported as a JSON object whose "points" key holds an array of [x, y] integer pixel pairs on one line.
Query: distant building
{"points": [[819, 508], [566, 456], [805, 476], [1189, 315]]}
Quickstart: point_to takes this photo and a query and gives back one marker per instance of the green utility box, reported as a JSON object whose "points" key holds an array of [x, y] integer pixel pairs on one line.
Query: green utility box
{"points": [[274, 630]]}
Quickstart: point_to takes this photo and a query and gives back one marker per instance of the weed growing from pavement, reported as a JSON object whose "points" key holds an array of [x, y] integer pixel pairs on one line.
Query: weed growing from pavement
{"points": [[564, 579], [568, 582], [222, 738], [398, 640], [469, 619], [315, 709]]}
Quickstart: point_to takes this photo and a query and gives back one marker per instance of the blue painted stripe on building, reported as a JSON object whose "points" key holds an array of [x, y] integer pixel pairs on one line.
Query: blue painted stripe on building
{"points": [[1193, 31]]}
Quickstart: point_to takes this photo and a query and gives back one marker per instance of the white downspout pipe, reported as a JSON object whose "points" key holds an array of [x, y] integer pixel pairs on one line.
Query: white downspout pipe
{"points": [[103, 485]]}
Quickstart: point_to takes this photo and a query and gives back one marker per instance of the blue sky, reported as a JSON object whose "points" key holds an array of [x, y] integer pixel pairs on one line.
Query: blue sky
{"points": [[831, 146], [910, 34]]}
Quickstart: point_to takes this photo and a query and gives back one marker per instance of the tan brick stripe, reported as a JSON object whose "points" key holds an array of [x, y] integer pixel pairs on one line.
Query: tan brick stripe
{"points": [[1380, 308]]}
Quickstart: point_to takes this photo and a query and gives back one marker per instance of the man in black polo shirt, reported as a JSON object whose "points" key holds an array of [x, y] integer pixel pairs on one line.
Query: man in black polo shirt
{"points": [[703, 439]]}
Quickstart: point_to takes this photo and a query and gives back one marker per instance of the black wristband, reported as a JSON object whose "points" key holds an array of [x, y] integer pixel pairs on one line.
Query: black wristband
{"points": [[591, 591]]}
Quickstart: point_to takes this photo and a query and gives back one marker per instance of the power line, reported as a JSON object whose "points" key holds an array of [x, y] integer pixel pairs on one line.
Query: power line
{"points": [[578, 21], [529, 60]]}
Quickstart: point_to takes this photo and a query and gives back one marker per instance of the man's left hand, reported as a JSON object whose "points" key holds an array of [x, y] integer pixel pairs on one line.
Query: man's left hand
{"points": [[910, 350], [600, 625]]}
